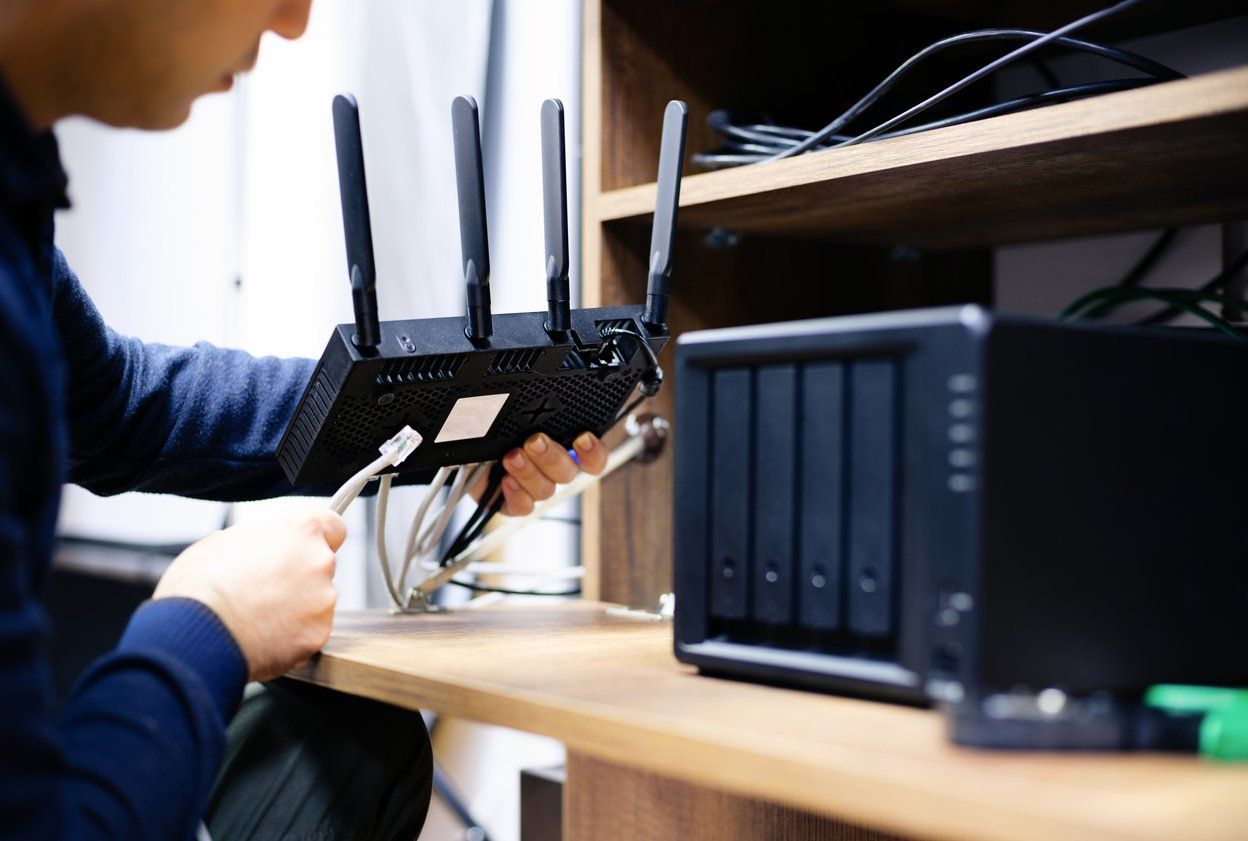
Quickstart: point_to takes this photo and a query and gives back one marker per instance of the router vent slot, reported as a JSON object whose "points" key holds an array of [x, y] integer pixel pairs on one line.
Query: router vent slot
{"points": [[303, 433], [421, 369], [804, 461], [520, 361]]}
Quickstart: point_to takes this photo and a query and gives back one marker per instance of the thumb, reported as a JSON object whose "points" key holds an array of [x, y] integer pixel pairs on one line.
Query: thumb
{"points": [[333, 527]]}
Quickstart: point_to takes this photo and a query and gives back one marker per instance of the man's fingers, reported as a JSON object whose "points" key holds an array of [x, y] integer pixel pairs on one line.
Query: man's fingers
{"points": [[551, 459], [526, 472], [332, 526], [519, 503], [591, 452]]}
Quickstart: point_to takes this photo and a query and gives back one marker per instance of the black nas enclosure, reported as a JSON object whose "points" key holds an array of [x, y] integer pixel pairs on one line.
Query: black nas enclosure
{"points": [[939, 504]]}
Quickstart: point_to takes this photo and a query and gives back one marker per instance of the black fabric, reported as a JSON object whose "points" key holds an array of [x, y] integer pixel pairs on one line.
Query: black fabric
{"points": [[309, 764]]}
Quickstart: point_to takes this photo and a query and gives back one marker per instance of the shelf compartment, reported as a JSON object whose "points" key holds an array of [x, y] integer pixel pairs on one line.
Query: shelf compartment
{"points": [[1169, 154]]}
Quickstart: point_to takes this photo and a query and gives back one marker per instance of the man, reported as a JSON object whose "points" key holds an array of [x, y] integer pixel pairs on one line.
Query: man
{"points": [[136, 748]]}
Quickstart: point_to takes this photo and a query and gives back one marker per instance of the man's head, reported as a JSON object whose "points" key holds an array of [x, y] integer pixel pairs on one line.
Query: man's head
{"points": [[133, 63]]}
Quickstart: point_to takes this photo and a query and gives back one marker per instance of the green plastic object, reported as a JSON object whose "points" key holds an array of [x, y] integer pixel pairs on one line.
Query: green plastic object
{"points": [[1223, 730]]}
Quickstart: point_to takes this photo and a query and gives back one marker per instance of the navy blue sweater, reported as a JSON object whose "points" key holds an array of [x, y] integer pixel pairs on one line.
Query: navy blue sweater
{"points": [[135, 748]]}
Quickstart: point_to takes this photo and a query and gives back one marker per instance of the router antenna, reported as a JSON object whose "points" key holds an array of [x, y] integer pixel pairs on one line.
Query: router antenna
{"points": [[472, 227], [555, 201], [355, 221], [666, 202]]}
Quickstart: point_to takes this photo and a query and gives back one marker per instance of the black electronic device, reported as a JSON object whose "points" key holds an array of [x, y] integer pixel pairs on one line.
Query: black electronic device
{"points": [[476, 387], [945, 505]]}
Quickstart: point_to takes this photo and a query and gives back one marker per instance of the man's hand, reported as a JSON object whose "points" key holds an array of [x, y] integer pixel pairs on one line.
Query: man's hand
{"points": [[534, 469], [270, 582]]}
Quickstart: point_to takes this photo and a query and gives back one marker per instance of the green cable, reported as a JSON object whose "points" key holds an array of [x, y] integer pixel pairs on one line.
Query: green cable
{"points": [[1204, 295], [1127, 293], [1224, 727], [1168, 296]]}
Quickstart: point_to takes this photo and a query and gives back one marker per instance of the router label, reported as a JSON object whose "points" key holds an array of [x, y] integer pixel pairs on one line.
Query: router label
{"points": [[471, 417]]}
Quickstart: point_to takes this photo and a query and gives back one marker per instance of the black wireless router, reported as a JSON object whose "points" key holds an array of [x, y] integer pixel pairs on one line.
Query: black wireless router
{"points": [[475, 388]]}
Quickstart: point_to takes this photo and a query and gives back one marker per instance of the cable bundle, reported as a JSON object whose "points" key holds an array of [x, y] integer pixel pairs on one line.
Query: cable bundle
{"points": [[424, 539], [756, 143], [426, 534], [1100, 302]]}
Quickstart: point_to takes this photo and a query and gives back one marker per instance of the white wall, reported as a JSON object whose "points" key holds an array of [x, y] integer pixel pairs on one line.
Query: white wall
{"points": [[152, 236], [229, 228]]}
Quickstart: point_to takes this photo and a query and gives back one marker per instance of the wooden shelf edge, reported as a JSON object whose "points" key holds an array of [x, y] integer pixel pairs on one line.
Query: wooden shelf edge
{"points": [[1164, 107], [608, 687]]}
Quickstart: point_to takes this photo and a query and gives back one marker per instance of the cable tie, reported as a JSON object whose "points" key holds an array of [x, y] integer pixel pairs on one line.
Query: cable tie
{"points": [[402, 445]]}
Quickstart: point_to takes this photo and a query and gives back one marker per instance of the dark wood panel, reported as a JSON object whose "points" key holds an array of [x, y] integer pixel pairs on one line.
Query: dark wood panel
{"points": [[793, 62], [541, 804], [604, 801]]}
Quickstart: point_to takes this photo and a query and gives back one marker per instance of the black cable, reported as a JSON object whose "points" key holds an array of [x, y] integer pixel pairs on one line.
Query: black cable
{"points": [[481, 588], [1146, 263], [1020, 103], [775, 136], [1139, 271], [1037, 40], [651, 381], [779, 131], [612, 332], [492, 500], [469, 535], [488, 497], [713, 159], [785, 137], [1219, 280], [476, 524], [628, 410]]}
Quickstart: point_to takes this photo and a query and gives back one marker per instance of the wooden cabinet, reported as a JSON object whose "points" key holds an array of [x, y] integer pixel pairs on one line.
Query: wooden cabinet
{"points": [[891, 224]]}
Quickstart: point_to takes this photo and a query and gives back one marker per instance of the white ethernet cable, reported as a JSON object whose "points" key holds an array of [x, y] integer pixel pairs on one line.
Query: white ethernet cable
{"points": [[421, 543], [635, 445], [632, 447], [418, 542], [393, 452]]}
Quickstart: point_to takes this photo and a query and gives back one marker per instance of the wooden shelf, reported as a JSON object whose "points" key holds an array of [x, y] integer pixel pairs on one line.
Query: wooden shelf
{"points": [[1171, 154], [825, 226], [609, 688]]}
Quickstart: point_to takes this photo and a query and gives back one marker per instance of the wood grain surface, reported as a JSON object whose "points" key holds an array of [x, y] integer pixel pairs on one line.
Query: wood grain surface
{"points": [[1171, 154], [609, 688], [606, 801]]}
